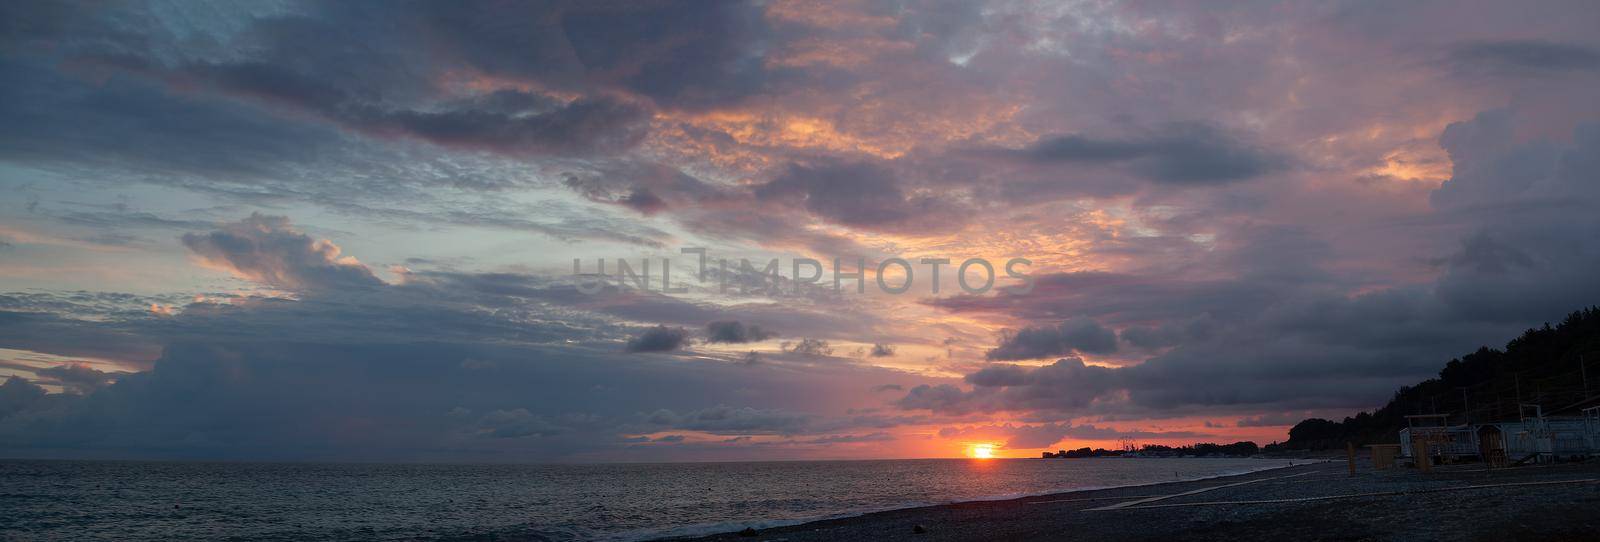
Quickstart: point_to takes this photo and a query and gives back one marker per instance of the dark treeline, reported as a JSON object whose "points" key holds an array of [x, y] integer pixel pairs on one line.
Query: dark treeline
{"points": [[1204, 449], [1545, 366]]}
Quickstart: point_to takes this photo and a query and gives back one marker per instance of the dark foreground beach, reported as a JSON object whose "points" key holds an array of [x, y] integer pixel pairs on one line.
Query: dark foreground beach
{"points": [[1308, 502]]}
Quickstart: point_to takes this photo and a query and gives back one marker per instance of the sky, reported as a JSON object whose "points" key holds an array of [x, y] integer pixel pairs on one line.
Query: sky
{"points": [[347, 230]]}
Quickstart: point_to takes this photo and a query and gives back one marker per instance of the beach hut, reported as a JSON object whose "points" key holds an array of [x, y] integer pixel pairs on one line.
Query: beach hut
{"points": [[1541, 438], [1430, 434], [1533, 437], [1492, 445]]}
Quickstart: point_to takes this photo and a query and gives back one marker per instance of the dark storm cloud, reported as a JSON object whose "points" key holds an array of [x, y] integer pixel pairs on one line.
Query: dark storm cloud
{"points": [[941, 398], [236, 151], [1303, 351], [1483, 254], [1259, 265], [583, 126], [1522, 57], [633, 305], [246, 105], [692, 55], [208, 401], [266, 250], [1212, 376], [733, 331], [1080, 335], [689, 55], [1271, 420], [430, 367], [17, 395], [76, 377], [41, 330], [519, 423], [723, 419], [642, 200], [1490, 167], [658, 339], [1526, 211], [335, 291], [506, 121], [1167, 334], [1278, 334], [851, 439], [144, 128], [1064, 385], [647, 188], [1179, 154], [860, 194], [304, 62]]}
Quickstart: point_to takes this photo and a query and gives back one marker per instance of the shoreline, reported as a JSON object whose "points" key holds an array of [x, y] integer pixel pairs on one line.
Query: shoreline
{"points": [[1317, 500], [703, 531]]}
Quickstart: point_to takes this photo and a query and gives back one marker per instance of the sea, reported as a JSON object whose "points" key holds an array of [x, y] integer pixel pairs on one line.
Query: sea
{"points": [[133, 500]]}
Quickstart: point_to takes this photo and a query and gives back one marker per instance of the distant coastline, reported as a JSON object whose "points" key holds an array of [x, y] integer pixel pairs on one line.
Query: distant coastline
{"points": [[1204, 449]]}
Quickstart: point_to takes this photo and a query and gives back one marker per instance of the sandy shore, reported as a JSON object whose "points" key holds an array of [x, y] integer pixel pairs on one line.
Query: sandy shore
{"points": [[1308, 502]]}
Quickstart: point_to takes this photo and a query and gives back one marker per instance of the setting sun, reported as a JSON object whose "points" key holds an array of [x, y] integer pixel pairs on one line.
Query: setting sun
{"points": [[983, 451]]}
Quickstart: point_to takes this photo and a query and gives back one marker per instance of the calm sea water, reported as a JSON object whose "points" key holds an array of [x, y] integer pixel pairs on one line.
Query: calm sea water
{"points": [[124, 500]]}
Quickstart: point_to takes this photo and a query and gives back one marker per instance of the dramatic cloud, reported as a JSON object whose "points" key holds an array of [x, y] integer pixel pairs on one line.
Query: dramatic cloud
{"points": [[940, 398], [517, 423], [265, 249], [1179, 154], [808, 347], [658, 339], [77, 377], [1081, 335], [1235, 215], [1271, 420], [208, 399], [1517, 57], [852, 439], [1064, 385], [17, 394], [723, 419], [1525, 205], [857, 194], [736, 332], [639, 199], [505, 121]]}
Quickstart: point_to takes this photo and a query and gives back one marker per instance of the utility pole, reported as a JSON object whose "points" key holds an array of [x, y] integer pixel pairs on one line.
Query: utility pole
{"points": [[1466, 410], [1584, 369]]}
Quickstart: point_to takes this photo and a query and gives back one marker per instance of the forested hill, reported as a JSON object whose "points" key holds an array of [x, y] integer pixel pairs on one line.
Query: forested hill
{"points": [[1545, 366]]}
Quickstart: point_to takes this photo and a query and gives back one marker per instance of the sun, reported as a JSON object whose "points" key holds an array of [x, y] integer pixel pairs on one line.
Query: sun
{"points": [[983, 451]]}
